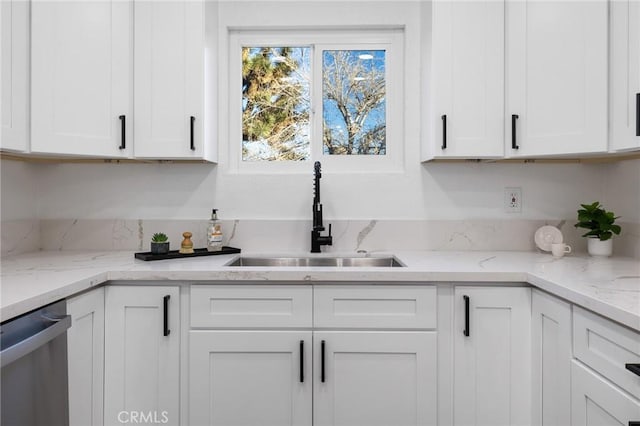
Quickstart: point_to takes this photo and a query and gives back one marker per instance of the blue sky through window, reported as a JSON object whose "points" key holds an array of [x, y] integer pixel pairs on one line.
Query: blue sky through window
{"points": [[353, 102]]}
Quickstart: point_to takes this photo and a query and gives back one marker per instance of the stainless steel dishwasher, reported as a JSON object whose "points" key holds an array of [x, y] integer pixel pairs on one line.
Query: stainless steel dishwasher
{"points": [[33, 359]]}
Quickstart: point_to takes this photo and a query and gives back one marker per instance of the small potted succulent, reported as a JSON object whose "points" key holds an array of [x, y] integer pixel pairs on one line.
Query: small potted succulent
{"points": [[159, 243], [600, 224]]}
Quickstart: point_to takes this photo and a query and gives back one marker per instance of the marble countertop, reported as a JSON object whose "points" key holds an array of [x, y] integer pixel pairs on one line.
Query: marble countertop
{"points": [[610, 287]]}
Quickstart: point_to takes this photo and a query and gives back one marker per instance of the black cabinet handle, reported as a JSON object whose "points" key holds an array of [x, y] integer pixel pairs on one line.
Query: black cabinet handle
{"points": [[634, 423], [166, 316], [322, 361], [301, 361], [466, 315], [123, 135], [637, 114], [514, 143], [193, 144], [634, 368], [444, 132]]}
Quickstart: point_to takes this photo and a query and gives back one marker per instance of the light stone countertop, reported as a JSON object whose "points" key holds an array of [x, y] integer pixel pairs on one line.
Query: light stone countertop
{"points": [[610, 287]]}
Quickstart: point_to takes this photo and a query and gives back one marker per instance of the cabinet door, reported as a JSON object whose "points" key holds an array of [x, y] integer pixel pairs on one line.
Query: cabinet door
{"points": [[492, 353], [142, 354], [597, 402], [374, 378], [250, 378], [625, 74], [556, 77], [169, 78], [14, 50], [85, 341], [81, 74], [551, 356], [468, 76]]}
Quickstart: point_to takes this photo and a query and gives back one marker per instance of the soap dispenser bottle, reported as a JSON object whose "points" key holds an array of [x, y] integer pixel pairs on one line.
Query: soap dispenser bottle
{"points": [[214, 233]]}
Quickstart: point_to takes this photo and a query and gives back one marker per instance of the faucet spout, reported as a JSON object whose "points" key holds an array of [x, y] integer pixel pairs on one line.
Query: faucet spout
{"points": [[318, 240]]}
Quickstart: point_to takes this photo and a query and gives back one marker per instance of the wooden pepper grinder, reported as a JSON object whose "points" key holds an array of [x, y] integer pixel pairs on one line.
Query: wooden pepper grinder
{"points": [[186, 247]]}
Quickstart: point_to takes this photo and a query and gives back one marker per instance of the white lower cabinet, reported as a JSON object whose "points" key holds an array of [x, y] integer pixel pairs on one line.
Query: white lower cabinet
{"points": [[323, 355], [267, 378], [551, 360], [250, 378], [300, 375], [85, 354], [142, 355], [492, 356], [597, 402], [374, 378]]}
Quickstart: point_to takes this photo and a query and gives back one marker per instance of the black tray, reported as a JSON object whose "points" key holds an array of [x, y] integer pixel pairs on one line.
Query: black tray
{"points": [[175, 254]]}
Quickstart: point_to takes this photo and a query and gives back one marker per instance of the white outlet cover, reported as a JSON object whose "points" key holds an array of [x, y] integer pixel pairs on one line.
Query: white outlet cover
{"points": [[513, 199]]}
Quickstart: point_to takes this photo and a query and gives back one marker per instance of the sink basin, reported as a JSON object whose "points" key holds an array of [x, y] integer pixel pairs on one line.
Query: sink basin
{"points": [[340, 262]]}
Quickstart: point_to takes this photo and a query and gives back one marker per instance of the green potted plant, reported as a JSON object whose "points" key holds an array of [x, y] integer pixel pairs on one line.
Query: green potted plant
{"points": [[601, 226], [159, 243]]}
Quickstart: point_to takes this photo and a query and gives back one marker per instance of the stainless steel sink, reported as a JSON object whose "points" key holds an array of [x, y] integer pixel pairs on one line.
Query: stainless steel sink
{"points": [[340, 262]]}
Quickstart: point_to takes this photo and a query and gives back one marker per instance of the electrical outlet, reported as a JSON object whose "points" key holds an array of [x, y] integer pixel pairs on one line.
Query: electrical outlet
{"points": [[512, 200]]}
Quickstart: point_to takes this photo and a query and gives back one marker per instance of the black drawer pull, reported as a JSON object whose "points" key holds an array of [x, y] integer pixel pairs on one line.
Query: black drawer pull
{"points": [[514, 140], [444, 132], [193, 144], [301, 361], [634, 423], [634, 368], [123, 132], [322, 361], [165, 325], [466, 315]]}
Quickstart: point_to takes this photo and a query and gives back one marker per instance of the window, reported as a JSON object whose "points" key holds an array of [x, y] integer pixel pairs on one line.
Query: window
{"points": [[276, 103], [353, 102], [302, 96]]}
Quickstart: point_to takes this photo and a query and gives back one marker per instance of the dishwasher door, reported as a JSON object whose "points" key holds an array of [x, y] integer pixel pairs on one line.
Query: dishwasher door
{"points": [[33, 359]]}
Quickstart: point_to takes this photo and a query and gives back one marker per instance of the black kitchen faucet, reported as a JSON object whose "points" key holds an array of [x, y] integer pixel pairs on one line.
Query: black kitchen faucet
{"points": [[318, 240]]}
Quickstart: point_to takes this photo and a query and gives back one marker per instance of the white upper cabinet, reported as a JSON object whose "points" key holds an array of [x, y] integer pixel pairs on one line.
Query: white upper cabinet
{"points": [[556, 77], [14, 15], [468, 79], [169, 79], [624, 96], [81, 78]]}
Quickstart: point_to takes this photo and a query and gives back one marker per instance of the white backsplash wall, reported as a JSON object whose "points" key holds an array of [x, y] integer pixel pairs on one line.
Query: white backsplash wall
{"points": [[622, 190], [622, 196], [20, 225], [19, 188], [294, 235], [431, 207], [438, 191]]}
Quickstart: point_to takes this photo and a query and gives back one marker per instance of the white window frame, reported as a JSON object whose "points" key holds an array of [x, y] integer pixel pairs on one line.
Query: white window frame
{"points": [[389, 39]]}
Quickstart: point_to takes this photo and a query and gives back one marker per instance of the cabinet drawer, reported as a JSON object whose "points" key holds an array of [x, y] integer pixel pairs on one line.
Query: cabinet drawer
{"points": [[595, 401], [381, 307], [607, 347], [251, 306]]}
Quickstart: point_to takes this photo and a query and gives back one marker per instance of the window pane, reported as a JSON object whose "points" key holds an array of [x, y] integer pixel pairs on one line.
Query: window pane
{"points": [[275, 103], [353, 102]]}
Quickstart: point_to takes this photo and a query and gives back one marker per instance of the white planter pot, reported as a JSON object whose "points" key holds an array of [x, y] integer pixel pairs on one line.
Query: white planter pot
{"points": [[595, 247]]}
